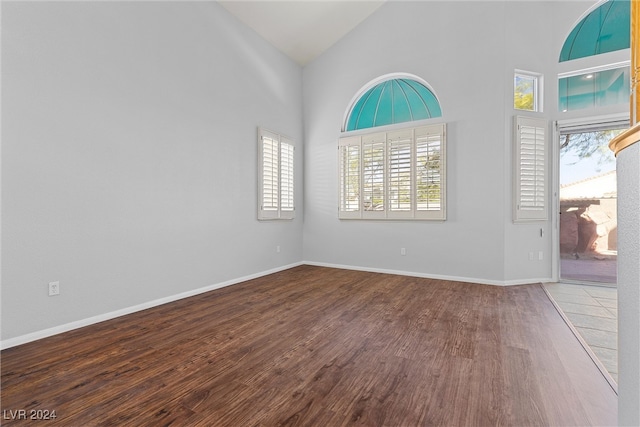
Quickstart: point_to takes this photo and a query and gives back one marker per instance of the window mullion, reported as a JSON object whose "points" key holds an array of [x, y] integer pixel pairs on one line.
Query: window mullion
{"points": [[414, 189], [361, 180], [385, 175], [279, 178]]}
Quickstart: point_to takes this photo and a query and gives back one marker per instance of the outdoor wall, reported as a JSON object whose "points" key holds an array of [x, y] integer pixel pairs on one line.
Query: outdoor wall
{"points": [[129, 156]]}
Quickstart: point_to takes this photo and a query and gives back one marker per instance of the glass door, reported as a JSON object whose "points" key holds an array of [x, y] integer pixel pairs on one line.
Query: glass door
{"points": [[588, 195]]}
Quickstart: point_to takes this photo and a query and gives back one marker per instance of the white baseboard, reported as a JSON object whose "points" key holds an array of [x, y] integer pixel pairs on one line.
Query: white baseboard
{"points": [[431, 276], [23, 339]]}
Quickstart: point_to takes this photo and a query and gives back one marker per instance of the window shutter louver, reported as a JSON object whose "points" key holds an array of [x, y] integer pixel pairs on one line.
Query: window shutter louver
{"points": [[269, 174], [286, 178], [530, 169], [349, 159], [430, 171], [400, 166], [373, 176], [393, 175]]}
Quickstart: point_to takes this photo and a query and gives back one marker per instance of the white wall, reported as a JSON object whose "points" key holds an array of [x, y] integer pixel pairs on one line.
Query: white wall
{"points": [[628, 163], [126, 125], [129, 155], [465, 60], [469, 62], [528, 49]]}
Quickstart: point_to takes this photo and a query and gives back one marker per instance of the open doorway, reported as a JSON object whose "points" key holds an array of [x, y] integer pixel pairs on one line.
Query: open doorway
{"points": [[588, 198], [586, 293]]}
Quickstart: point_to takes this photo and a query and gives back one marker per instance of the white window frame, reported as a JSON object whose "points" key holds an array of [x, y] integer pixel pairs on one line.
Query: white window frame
{"points": [[538, 81], [530, 160], [398, 152], [591, 70], [276, 154]]}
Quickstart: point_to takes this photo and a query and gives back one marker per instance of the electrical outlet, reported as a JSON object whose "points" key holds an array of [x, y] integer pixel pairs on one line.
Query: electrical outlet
{"points": [[530, 256], [278, 249], [54, 288], [540, 256], [403, 251]]}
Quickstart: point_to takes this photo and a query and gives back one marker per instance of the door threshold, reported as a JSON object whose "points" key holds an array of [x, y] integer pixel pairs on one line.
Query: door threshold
{"points": [[588, 283], [603, 370]]}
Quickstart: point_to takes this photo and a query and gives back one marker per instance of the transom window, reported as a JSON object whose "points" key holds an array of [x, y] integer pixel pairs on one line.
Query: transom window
{"points": [[594, 88], [604, 29], [392, 99]]}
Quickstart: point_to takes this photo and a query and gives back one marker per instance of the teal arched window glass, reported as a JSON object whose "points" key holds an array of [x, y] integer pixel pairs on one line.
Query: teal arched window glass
{"points": [[604, 29], [395, 100]]}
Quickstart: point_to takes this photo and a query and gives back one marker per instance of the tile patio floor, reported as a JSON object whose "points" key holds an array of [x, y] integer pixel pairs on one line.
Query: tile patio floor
{"points": [[589, 269], [593, 311]]}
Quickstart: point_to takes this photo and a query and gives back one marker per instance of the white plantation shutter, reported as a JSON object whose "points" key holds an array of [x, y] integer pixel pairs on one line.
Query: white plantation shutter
{"points": [[286, 178], [530, 161], [393, 175], [270, 161], [373, 175], [401, 147], [430, 172], [350, 167], [276, 176]]}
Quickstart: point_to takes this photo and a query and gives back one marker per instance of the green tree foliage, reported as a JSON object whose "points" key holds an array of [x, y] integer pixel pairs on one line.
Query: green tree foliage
{"points": [[523, 94], [428, 178], [589, 145], [373, 178]]}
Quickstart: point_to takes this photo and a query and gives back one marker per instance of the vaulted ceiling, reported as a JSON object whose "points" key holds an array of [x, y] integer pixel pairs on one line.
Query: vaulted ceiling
{"points": [[302, 29]]}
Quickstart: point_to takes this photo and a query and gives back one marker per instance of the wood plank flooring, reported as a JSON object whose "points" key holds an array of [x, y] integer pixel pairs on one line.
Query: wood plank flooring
{"points": [[317, 346]]}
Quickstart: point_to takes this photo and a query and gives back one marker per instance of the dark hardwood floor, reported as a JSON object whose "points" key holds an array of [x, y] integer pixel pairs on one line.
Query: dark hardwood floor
{"points": [[317, 346]]}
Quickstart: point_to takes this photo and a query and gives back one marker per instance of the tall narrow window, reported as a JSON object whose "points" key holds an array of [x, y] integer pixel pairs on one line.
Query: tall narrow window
{"points": [[530, 161], [276, 177], [527, 91]]}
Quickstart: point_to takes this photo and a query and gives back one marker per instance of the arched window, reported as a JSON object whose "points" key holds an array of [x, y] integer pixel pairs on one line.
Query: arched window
{"points": [[606, 28], [392, 99], [399, 172]]}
